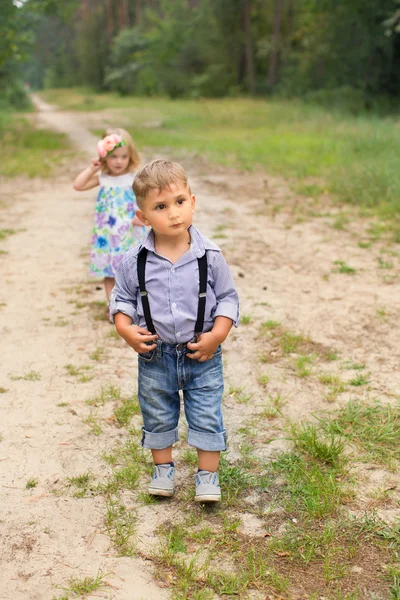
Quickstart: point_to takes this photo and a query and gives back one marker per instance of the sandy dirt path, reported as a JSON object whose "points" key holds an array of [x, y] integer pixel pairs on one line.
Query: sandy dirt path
{"points": [[284, 262], [46, 539]]}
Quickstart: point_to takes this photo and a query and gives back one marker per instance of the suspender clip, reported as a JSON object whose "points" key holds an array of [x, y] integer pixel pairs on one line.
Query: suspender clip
{"points": [[143, 293], [203, 295]]}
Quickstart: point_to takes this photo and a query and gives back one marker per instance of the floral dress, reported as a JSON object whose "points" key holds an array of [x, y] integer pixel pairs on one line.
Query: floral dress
{"points": [[113, 232]]}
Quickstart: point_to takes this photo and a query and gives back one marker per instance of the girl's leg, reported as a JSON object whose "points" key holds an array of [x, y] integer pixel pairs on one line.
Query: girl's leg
{"points": [[208, 461], [163, 456], [108, 285]]}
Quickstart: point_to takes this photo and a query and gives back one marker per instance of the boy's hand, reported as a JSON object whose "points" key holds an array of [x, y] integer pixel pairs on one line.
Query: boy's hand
{"points": [[136, 222], [205, 347], [136, 337]]}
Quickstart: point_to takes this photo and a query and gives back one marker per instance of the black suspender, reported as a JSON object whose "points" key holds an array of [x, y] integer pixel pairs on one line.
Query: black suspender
{"points": [[141, 269], [201, 308]]}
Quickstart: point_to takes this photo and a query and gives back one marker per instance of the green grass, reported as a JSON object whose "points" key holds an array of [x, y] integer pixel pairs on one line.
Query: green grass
{"points": [[374, 428], [29, 151], [31, 376], [245, 319], [4, 233], [81, 484], [86, 585], [106, 394], [356, 157], [79, 372], [342, 267], [31, 483], [124, 413]]}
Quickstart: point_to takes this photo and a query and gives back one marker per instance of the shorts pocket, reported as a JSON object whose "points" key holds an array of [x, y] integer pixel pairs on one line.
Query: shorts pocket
{"points": [[218, 352], [148, 356]]}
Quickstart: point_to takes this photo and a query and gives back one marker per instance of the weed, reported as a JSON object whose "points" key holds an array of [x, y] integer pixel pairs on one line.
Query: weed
{"points": [[246, 319], [6, 232], [234, 480], [313, 489], [31, 483], [189, 457], [87, 585], [310, 441], [62, 404], [125, 412], [95, 427], [263, 379], [106, 394], [290, 342], [342, 267], [242, 398], [61, 322], [79, 372], [98, 354], [336, 386], [374, 428], [381, 312], [359, 380], [382, 264], [81, 483], [274, 407], [354, 366], [3, 390], [340, 222], [113, 333], [31, 376], [302, 365], [120, 523], [268, 325]]}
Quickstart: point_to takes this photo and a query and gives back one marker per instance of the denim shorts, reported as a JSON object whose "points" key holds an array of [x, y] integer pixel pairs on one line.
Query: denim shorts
{"points": [[162, 373]]}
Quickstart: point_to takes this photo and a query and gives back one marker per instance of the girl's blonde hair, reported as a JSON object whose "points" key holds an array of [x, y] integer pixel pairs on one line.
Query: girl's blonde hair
{"points": [[134, 159]]}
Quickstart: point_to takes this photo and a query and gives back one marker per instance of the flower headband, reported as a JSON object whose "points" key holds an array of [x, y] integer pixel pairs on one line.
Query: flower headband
{"points": [[108, 144]]}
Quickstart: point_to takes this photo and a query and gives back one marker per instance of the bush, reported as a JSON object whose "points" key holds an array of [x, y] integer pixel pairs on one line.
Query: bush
{"points": [[17, 97]]}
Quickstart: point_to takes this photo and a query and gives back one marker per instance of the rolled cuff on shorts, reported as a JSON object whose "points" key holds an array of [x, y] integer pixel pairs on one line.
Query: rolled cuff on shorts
{"points": [[212, 442], [159, 441]]}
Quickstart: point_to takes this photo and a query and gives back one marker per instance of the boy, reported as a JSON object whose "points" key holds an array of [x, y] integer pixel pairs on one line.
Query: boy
{"points": [[174, 302]]}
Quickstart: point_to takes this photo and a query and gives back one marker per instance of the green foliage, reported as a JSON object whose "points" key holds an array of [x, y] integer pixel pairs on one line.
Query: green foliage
{"points": [[342, 58]]}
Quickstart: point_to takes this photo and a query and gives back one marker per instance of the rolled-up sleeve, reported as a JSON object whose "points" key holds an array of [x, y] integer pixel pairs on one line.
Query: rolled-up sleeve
{"points": [[226, 294], [123, 297]]}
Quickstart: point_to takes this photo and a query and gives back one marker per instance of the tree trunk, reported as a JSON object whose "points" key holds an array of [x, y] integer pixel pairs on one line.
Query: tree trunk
{"points": [[248, 46], [139, 12], [123, 14], [276, 41], [110, 22]]}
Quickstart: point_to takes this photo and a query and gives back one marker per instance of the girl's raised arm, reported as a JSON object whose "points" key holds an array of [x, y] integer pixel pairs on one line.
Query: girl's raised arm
{"points": [[88, 179]]}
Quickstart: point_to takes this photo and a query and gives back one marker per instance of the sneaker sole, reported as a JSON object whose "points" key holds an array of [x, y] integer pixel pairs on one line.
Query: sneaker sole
{"points": [[164, 493], [208, 498]]}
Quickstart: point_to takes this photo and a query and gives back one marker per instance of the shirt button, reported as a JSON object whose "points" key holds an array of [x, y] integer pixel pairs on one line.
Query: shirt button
{"points": [[172, 270], [174, 305]]}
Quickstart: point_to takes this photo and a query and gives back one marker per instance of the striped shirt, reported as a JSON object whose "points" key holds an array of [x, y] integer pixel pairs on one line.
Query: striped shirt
{"points": [[173, 289]]}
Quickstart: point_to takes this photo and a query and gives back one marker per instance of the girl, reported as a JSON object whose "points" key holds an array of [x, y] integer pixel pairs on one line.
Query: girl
{"points": [[116, 228]]}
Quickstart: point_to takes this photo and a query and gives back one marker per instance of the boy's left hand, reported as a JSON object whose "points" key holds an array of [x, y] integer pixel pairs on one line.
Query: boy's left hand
{"points": [[204, 348]]}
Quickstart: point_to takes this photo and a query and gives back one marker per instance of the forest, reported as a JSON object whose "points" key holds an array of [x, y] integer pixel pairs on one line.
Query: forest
{"points": [[334, 52]]}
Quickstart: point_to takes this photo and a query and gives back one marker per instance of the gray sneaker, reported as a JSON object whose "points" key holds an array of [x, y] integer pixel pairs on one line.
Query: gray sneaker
{"points": [[163, 481], [207, 487]]}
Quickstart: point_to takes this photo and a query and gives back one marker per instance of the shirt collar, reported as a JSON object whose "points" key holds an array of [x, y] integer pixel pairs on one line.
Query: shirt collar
{"points": [[197, 242]]}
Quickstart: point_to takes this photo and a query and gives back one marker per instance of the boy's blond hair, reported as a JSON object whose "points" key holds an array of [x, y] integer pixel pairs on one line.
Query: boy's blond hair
{"points": [[157, 175], [134, 160]]}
